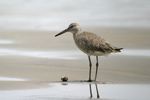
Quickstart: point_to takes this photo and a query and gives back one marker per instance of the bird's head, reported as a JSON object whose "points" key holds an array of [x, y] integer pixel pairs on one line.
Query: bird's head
{"points": [[73, 28]]}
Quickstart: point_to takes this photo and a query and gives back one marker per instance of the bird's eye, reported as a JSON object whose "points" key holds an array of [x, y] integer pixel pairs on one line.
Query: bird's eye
{"points": [[72, 26]]}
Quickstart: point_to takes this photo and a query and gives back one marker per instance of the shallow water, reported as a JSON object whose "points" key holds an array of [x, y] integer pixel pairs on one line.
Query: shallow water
{"points": [[79, 91], [144, 53], [41, 54], [6, 42], [66, 54], [11, 79]]}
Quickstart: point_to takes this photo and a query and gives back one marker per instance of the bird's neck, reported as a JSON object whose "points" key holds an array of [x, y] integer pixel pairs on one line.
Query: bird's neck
{"points": [[76, 33]]}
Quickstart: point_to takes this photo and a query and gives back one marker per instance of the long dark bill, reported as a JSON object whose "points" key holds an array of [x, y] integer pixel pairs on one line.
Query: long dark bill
{"points": [[62, 32]]}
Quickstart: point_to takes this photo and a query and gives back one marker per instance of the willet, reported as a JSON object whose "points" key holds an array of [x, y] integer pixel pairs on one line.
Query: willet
{"points": [[91, 44]]}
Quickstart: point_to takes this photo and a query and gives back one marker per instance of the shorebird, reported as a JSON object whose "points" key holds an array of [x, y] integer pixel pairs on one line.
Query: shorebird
{"points": [[91, 44]]}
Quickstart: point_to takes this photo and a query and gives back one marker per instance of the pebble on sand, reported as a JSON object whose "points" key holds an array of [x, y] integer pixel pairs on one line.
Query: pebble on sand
{"points": [[64, 78]]}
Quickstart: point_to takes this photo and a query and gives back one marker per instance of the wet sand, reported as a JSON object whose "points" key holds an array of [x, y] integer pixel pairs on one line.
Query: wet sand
{"points": [[41, 59]]}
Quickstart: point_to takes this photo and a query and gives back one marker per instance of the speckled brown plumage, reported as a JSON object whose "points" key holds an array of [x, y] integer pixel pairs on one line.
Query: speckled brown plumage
{"points": [[91, 44]]}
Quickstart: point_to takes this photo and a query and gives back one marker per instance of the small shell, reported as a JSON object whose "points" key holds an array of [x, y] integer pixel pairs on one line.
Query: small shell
{"points": [[64, 78]]}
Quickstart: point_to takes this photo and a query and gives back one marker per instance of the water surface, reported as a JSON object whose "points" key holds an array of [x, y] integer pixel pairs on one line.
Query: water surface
{"points": [[6, 42], [66, 54], [77, 91], [11, 79], [55, 14]]}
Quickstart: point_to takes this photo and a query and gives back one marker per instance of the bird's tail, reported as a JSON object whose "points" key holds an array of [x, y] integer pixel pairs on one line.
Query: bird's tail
{"points": [[118, 49]]}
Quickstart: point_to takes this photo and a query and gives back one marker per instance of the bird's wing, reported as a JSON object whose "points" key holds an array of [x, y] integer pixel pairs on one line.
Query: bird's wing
{"points": [[94, 42]]}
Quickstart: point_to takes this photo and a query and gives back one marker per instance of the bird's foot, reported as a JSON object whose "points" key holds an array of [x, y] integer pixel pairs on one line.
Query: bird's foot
{"points": [[91, 81], [88, 81]]}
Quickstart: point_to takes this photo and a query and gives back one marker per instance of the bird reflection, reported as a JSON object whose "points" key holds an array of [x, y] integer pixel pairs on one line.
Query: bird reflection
{"points": [[96, 91]]}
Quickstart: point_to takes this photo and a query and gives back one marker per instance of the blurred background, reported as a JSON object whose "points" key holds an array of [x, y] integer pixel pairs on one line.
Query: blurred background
{"points": [[52, 15]]}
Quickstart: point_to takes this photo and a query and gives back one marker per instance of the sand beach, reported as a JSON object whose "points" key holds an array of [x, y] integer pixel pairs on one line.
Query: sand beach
{"points": [[33, 60]]}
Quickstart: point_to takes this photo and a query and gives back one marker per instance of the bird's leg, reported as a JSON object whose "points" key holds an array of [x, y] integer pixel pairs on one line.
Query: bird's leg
{"points": [[96, 67], [90, 91], [90, 65], [97, 91]]}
